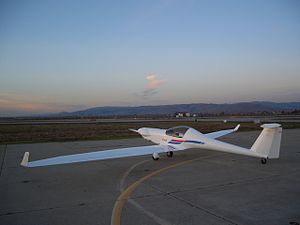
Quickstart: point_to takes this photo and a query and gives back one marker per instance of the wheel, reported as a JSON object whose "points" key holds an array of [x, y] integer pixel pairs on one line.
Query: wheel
{"points": [[170, 154], [155, 156], [263, 161]]}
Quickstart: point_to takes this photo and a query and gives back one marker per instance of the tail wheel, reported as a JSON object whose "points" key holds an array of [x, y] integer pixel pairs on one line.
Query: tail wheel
{"points": [[263, 161], [170, 154]]}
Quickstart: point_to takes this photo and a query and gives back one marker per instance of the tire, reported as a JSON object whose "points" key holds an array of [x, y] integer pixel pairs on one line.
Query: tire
{"points": [[263, 161], [155, 159], [170, 154]]}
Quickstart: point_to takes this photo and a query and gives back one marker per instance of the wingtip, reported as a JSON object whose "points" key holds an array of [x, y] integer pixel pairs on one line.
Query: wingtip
{"points": [[136, 131], [237, 127], [25, 159]]}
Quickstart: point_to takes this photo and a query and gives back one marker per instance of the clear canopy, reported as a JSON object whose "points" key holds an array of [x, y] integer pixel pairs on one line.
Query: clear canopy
{"points": [[177, 131]]}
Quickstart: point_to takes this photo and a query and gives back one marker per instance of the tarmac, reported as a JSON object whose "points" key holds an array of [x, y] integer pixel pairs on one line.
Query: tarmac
{"points": [[193, 187]]}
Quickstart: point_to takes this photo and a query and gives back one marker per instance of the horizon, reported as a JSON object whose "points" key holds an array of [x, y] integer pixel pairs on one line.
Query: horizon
{"points": [[136, 106], [228, 103], [164, 52]]}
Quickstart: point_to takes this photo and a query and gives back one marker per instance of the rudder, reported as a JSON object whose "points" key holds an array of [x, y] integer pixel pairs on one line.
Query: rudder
{"points": [[268, 142]]}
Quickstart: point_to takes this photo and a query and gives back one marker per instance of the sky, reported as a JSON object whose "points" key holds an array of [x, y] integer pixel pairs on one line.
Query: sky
{"points": [[70, 55]]}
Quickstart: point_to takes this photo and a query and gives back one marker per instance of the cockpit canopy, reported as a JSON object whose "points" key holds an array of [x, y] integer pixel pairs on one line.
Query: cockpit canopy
{"points": [[177, 131]]}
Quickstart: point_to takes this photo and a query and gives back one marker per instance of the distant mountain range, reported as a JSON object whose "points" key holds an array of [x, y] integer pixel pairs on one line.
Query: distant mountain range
{"points": [[242, 107]]}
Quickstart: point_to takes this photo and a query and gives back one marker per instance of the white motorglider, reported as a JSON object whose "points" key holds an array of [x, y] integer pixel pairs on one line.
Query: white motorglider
{"points": [[266, 146]]}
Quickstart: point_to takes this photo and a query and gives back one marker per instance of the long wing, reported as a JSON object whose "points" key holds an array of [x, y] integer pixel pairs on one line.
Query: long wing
{"points": [[92, 156], [221, 133]]}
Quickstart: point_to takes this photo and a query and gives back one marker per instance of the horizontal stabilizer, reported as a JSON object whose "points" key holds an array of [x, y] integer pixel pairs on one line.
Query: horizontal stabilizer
{"points": [[221, 133], [270, 125]]}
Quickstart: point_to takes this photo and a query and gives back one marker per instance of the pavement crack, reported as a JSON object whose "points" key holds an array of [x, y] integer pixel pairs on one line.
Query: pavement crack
{"points": [[80, 204], [231, 183], [171, 194], [2, 163], [28, 211], [203, 209]]}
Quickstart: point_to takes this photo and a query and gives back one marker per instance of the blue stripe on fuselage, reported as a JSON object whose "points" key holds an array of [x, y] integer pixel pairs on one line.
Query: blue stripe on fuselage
{"points": [[174, 143], [186, 141], [194, 142]]}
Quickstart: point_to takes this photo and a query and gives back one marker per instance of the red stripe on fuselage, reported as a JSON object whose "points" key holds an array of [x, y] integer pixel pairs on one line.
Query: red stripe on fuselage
{"points": [[174, 140]]}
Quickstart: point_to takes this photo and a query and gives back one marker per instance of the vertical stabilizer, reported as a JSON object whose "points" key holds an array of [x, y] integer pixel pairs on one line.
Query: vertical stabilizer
{"points": [[268, 142], [25, 159]]}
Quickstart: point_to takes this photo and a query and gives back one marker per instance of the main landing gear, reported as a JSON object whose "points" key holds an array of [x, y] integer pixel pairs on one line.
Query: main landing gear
{"points": [[170, 154], [263, 161], [155, 155]]}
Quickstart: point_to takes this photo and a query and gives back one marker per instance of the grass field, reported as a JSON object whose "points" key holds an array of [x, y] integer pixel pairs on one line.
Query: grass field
{"points": [[104, 131]]}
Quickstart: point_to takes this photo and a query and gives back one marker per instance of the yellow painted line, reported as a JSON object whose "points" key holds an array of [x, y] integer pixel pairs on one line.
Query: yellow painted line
{"points": [[124, 196]]}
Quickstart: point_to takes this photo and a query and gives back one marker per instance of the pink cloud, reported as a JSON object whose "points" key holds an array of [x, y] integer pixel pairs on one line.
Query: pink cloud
{"points": [[154, 82], [151, 88]]}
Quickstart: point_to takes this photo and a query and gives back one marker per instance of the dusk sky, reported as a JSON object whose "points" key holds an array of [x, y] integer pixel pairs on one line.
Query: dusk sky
{"points": [[70, 55]]}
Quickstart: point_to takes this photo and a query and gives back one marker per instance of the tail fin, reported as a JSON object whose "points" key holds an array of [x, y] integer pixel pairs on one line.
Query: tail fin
{"points": [[25, 159], [268, 142]]}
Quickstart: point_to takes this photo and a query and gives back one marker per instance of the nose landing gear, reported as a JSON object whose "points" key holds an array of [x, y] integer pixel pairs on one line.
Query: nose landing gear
{"points": [[170, 154], [155, 156]]}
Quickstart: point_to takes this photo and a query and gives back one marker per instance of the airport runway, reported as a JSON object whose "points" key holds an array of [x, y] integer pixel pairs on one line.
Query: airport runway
{"points": [[194, 187], [260, 119]]}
